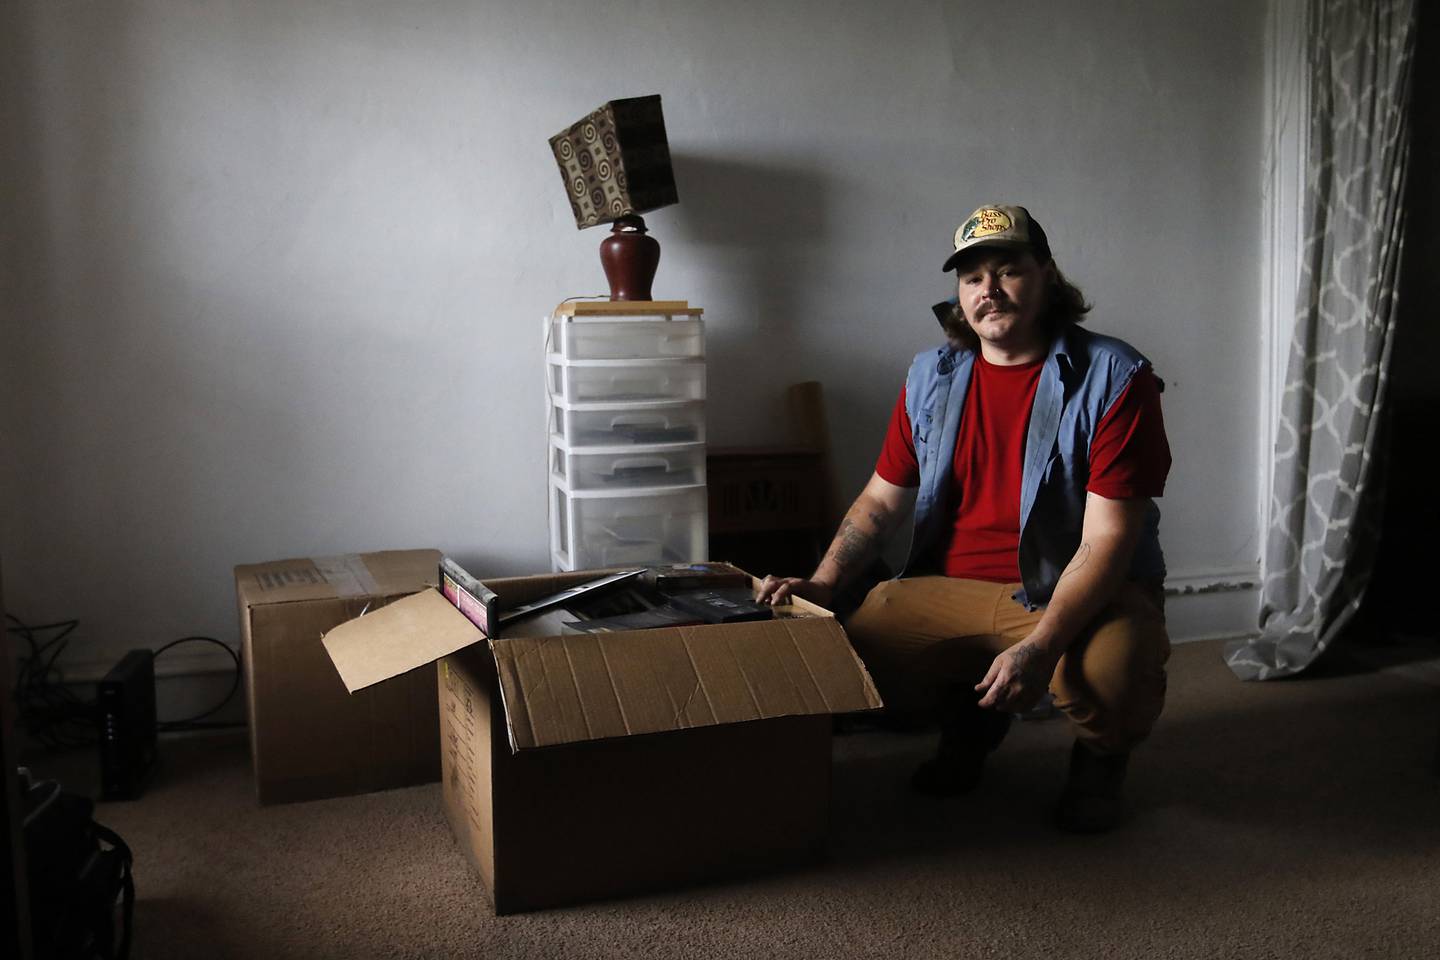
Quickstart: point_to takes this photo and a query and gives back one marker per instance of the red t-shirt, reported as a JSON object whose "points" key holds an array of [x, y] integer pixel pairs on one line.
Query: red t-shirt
{"points": [[1129, 458]]}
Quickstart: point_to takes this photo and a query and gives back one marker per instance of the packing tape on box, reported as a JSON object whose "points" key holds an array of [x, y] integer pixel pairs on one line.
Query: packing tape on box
{"points": [[348, 575]]}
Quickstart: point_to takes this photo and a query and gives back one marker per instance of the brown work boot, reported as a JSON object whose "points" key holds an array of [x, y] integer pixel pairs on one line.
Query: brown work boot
{"points": [[1092, 801], [968, 733]]}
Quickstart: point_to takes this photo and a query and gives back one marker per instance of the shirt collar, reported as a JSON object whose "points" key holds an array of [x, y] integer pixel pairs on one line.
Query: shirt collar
{"points": [[1063, 349]]}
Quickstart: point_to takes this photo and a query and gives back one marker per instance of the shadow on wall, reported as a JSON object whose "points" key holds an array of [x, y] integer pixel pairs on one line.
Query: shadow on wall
{"points": [[758, 229]]}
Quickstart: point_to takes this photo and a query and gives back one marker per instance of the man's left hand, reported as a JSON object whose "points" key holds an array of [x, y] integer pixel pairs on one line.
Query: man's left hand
{"points": [[1018, 678]]}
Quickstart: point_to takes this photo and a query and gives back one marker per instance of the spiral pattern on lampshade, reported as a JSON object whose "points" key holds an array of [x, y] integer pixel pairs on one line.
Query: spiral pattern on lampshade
{"points": [[616, 161]]}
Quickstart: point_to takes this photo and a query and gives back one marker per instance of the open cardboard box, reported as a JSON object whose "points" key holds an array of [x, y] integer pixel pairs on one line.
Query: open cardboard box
{"points": [[583, 766]]}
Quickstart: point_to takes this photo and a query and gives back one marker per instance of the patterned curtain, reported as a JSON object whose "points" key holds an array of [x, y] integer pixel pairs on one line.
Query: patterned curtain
{"points": [[1326, 498]]}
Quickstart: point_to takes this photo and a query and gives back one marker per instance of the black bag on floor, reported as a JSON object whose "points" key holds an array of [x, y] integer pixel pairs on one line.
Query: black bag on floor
{"points": [[77, 871]]}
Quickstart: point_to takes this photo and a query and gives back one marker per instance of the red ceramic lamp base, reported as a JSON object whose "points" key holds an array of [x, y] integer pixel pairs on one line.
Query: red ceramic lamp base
{"points": [[630, 257]]}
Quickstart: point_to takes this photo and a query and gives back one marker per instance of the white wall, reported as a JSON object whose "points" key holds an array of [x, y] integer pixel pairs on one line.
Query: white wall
{"points": [[273, 271]]}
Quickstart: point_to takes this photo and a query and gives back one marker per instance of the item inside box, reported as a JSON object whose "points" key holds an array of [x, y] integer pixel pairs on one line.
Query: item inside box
{"points": [[671, 596]]}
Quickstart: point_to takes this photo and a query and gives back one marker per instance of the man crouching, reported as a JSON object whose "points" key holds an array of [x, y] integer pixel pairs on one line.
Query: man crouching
{"points": [[1033, 449]]}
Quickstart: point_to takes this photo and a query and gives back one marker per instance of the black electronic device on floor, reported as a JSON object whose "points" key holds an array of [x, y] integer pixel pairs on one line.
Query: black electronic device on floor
{"points": [[125, 715], [76, 871]]}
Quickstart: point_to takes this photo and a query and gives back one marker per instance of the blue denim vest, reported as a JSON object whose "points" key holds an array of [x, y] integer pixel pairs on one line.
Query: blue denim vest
{"points": [[1084, 374]]}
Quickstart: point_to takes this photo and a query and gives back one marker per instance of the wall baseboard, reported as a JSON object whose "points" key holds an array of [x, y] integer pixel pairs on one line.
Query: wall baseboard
{"points": [[186, 684], [172, 664], [1213, 605]]}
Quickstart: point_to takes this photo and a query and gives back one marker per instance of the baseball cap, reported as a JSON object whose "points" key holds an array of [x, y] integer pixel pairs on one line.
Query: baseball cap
{"points": [[1000, 225]]}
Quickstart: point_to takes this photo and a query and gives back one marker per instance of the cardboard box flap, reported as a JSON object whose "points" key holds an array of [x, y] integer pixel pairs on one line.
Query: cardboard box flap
{"points": [[593, 686], [388, 573], [398, 638]]}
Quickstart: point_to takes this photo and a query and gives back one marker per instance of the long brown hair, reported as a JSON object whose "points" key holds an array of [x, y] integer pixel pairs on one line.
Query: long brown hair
{"points": [[1067, 305]]}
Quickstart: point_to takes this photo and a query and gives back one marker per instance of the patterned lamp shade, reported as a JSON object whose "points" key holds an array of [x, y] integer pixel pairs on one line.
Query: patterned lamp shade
{"points": [[616, 162]]}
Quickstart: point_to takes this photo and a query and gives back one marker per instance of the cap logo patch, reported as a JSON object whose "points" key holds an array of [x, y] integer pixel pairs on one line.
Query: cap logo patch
{"points": [[986, 223]]}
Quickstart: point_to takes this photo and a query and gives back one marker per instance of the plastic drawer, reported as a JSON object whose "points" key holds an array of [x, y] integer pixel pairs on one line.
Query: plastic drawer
{"points": [[606, 531], [581, 472], [637, 338], [622, 425], [627, 381]]}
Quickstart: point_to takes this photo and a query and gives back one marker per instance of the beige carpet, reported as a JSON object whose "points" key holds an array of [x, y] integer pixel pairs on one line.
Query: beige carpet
{"points": [[1295, 819]]}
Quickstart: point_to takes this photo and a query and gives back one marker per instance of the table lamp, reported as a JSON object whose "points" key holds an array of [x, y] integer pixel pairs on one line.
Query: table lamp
{"points": [[616, 166]]}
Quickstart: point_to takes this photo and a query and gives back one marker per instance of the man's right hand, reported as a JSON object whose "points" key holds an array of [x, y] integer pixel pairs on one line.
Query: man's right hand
{"points": [[778, 590]]}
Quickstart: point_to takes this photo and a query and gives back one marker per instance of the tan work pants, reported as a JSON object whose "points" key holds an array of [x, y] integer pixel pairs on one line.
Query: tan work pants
{"points": [[923, 635]]}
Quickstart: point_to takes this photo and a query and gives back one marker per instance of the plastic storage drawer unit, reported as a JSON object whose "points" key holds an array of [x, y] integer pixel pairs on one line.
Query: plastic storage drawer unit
{"points": [[594, 530], [630, 339], [622, 425], [626, 381], [625, 386], [581, 471]]}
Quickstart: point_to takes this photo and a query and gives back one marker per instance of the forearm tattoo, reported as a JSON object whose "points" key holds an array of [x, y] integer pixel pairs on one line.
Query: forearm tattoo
{"points": [[1082, 556], [851, 544], [854, 544]]}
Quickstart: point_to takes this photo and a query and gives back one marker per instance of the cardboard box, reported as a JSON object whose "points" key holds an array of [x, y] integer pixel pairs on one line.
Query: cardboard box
{"points": [[309, 738], [583, 766], [762, 489]]}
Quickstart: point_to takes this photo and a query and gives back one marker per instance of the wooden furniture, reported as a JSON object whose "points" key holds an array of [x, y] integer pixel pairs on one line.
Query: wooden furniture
{"points": [[772, 508], [767, 509]]}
